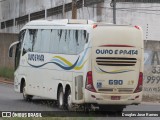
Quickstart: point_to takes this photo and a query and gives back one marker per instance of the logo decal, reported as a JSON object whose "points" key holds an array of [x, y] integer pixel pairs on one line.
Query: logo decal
{"points": [[99, 70], [65, 64]]}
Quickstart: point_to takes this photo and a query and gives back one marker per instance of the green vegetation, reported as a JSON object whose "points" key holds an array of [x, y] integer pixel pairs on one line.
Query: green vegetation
{"points": [[7, 73]]}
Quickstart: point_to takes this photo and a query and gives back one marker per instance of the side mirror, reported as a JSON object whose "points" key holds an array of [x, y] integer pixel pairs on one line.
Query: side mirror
{"points": [[10, 52]]}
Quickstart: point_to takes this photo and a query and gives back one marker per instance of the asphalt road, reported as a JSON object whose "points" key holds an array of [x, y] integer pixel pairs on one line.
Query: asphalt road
{"points": [[12, 101]]}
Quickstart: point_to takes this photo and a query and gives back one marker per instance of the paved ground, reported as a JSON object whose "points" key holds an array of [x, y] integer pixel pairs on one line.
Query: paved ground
{"points": [[12, 101]]}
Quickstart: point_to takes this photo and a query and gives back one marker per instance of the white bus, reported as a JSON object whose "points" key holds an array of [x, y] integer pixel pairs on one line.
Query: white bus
{"points": [[80, 62]]}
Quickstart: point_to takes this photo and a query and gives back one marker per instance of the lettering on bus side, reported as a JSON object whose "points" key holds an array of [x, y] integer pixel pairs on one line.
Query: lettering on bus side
{"points": [[35, 57], [120, 52]]}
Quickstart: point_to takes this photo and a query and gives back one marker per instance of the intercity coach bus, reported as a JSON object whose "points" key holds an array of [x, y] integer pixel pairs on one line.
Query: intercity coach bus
{"points": [[80, 62]]}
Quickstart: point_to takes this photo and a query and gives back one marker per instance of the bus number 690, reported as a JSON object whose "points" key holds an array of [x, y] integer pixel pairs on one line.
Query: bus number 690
{"points": [[115, 82]]}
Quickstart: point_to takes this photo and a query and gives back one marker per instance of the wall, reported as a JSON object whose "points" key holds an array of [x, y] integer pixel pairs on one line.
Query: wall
{"points": [[16, 8], [151, 81], [5, 41], [146, 15]]}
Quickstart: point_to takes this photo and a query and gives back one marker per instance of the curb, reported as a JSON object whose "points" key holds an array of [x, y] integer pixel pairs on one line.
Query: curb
{"points": [[6, 81]]}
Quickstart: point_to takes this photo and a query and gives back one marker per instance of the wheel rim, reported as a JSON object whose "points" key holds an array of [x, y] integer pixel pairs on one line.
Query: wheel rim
{"points": [[24, 92], [61, 99], [69, 101]]}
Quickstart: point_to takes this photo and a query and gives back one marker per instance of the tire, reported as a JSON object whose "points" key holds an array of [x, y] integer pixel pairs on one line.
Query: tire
{"points": [[68, 100], [60, 99], [87, 108], [26, 97]]}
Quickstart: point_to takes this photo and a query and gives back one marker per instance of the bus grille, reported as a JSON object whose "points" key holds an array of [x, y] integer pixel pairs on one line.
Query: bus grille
{"points": [[116, 61], [119, 90]]}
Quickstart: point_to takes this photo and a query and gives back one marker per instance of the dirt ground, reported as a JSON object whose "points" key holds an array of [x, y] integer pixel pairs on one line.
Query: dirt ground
{"points": [[6, 80]]}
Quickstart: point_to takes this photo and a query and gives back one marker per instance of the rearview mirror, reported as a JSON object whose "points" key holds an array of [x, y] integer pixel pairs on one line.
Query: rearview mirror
{"points": [[10, 52]]}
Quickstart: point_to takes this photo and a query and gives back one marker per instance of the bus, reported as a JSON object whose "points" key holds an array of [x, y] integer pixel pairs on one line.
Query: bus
{"points": [[80, 63]]}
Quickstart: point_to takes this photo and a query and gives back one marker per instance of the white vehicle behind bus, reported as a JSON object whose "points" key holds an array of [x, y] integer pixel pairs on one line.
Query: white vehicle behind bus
{"points": [[80, 62]]}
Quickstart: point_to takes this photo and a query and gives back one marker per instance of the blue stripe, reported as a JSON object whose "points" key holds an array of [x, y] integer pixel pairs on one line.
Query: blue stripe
{"points": [[80, 62], [63, 67], [60, 62]]}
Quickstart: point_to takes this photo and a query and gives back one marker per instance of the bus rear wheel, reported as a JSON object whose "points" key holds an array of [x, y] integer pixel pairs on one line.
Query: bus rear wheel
{"points": [[26, 97], [60, 98], [68, 100]]}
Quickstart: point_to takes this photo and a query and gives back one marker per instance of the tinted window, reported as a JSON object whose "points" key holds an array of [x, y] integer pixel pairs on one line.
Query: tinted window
{"points": [[37, 42], [57, 41], [72, 42], [63, 42], [45, 40], [31, 37], [68, 41], [80, 41], [54, 42]]}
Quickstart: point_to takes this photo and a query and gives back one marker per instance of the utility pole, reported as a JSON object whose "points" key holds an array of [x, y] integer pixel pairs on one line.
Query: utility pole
{"points": [[74, 9], [64, 14], [114, 11], [83, 9]]}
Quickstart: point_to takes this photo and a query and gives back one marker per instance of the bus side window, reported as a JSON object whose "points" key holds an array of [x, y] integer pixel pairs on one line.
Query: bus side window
{"points": [[81, 41], [86, 36], [72, 42], [54, 42], [45, 40], [37, 42], [63, 47], [31, 35], [67, 41]]}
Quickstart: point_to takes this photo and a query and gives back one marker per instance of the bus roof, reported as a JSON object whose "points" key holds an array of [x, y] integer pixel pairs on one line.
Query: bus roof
{"points": [[59, 22], [69, 21]]}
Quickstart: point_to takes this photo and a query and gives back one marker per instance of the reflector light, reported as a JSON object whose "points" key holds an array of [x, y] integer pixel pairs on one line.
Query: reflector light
{"points": [[137, 27], [94, 26], [89, 82], [140, 82]]}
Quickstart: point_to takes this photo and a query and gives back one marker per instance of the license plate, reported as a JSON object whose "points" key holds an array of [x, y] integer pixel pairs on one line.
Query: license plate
{"points": [[115, 97]]}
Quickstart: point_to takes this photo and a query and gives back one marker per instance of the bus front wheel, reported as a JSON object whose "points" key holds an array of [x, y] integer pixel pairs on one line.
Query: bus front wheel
{"points": [[26, 97]]}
